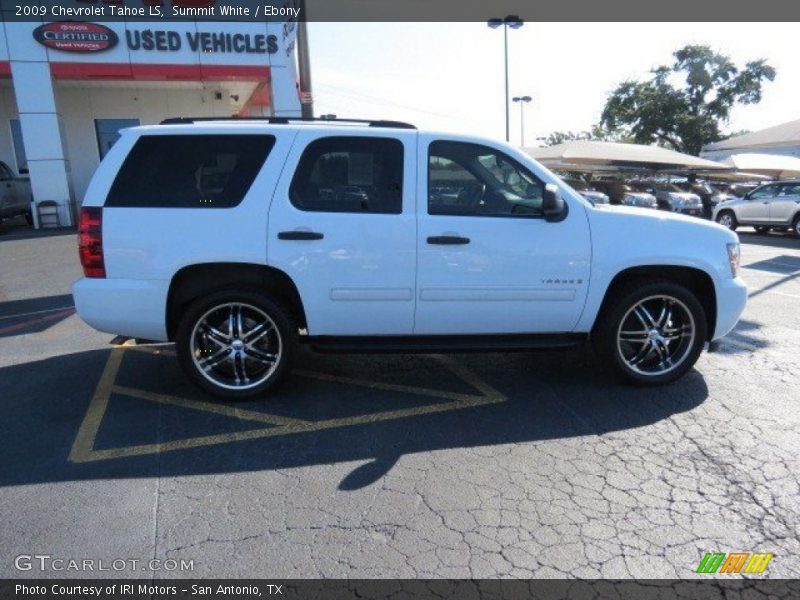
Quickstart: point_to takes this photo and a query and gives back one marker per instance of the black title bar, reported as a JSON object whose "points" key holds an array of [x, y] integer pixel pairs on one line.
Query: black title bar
{"points": [[400, 10]]}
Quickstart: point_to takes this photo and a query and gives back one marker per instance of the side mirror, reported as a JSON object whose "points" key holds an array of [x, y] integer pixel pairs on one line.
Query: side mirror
{"points": [[553, 205]]}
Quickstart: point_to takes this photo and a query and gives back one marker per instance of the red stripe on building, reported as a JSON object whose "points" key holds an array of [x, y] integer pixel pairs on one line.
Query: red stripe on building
{"points": [[158, 72]]}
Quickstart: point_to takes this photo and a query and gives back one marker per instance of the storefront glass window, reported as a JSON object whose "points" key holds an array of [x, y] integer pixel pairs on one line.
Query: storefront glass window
{"points": [[19, 147]]}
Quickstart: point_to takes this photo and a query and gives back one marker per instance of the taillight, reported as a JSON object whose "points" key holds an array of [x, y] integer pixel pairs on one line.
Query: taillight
{"points": [[90, 241]]}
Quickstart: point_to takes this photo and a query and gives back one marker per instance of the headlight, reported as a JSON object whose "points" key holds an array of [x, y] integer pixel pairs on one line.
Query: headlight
{"points": [[734, 255]]}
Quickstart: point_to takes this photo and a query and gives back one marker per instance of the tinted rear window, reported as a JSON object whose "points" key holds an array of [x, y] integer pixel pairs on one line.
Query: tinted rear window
{"points": [[189, 171]]}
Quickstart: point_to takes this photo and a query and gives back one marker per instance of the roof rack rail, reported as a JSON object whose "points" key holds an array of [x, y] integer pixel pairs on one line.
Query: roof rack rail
{"points": [[288, 120]]}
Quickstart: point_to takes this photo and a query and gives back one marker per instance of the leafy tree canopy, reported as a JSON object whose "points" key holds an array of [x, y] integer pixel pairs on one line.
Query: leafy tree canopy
{"points": [[684, 105], [597, 133]]}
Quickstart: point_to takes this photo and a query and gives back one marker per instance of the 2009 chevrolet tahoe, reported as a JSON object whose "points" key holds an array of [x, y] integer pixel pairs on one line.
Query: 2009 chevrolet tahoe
{"points": [[240, 239]]}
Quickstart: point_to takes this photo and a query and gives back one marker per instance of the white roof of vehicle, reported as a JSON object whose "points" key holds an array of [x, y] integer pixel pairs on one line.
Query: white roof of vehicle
{"points": [[785, 134], [613, 154]]}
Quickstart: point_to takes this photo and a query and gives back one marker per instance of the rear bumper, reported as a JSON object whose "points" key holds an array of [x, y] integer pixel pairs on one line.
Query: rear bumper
{"points": [[731, 300], [129, 307]]}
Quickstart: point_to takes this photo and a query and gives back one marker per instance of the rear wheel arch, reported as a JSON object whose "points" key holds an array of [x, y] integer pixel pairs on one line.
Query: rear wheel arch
{"points": [[194, 281], [696, 280]]}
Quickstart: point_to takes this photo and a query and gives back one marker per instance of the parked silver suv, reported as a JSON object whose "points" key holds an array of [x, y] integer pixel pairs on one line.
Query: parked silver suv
{"points": [[770, 206]]}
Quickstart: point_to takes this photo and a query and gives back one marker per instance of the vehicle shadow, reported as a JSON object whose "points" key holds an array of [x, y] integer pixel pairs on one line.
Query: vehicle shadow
{"points": [[774, 239], [745, 337], [49, 405]]}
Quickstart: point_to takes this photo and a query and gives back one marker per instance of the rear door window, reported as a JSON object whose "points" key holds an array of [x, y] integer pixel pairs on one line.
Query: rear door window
{"points": [[350, 174], [189, 171]]}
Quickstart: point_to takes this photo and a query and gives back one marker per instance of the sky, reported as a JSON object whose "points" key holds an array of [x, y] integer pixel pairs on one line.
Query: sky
{"points": [[449, 76]]}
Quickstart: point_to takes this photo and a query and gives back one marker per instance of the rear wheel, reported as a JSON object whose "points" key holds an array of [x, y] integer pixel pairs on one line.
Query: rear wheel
{"points": [[727, 219], [761, 229], [651, 332], [236, 343], [29, 218]]}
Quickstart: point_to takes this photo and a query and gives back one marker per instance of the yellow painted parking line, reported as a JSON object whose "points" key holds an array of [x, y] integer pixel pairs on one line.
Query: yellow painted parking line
{"points": [[84, 441], [218, 409], [83, 448], [158, 350]]}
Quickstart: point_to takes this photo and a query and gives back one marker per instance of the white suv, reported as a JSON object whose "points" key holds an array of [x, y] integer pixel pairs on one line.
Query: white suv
{"points": [[240, 239]]}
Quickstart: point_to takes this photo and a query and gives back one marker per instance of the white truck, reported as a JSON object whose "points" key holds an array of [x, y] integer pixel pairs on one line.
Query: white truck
{"points": [[239, 239]]}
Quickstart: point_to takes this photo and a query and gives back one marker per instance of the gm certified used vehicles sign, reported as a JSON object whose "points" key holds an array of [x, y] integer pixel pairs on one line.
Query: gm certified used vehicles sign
{"points": [[71, 36]]}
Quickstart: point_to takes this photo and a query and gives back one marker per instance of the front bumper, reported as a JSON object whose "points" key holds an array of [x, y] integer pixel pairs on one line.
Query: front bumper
{"points": [[731, 300], [693, 211]]}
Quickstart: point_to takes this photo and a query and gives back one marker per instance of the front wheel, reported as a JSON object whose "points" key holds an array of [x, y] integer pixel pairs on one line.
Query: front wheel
{"points": [[236, 344], [727, 219], [796, 226], [651, 332]]}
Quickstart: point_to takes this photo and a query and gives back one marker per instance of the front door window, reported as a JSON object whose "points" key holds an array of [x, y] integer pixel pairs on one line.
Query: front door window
{"points": [[473, 180]]}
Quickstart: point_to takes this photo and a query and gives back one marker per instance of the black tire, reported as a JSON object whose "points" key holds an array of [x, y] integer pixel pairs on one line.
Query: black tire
{"points": [[29, 218], [762, 229], [617, 311], [733, 223], [796, 225], [282, 336]]}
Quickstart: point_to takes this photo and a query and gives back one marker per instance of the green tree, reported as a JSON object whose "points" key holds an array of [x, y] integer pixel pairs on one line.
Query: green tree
{"points": [[597, 134], [684, 105]]}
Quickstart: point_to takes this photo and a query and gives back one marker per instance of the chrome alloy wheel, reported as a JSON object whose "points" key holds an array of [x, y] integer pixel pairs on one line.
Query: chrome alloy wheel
{"points": [[726, 220], [656, 335], [236, 346]]}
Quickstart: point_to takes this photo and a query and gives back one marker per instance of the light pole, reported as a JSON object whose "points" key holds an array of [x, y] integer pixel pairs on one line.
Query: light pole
{"points": [[523, 100], [304, 66], [514, 22]]}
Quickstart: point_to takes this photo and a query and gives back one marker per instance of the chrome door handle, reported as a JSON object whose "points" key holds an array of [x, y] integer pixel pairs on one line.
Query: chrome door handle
{"points": [[300, 235], [448, 240]]}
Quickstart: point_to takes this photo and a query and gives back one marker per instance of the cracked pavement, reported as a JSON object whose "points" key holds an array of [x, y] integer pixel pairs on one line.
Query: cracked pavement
{"points": [[572, 475]]}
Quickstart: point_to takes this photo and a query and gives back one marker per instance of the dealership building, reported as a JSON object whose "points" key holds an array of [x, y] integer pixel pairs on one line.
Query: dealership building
{"points": [[69, 87]]}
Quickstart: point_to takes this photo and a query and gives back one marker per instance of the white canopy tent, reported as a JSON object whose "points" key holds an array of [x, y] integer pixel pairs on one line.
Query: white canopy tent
{"points": [[771, 165], [602, 155], [783, 135]]}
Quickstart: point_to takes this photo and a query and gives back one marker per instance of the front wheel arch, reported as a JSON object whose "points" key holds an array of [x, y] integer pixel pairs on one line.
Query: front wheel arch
{"points": [[697, 280]]}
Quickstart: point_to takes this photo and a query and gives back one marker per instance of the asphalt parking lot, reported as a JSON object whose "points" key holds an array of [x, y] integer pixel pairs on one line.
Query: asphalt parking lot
{"points": [[480, 465]]}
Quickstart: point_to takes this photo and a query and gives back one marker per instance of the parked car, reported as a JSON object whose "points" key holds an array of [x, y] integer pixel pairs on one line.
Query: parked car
{"points": [[620, 192], [672, 198], [587, 191], [510, 258], [708, 195], [770, 206], [740, 190], [15, 195]]}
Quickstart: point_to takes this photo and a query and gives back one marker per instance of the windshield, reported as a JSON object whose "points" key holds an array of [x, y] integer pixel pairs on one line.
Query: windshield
{"points": [[641, 186]]}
